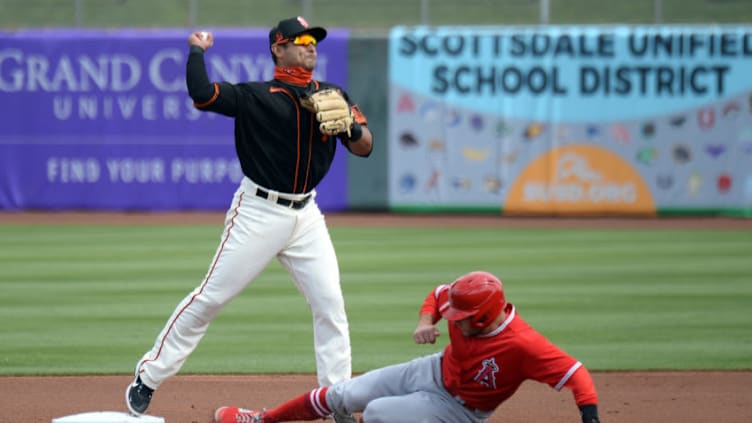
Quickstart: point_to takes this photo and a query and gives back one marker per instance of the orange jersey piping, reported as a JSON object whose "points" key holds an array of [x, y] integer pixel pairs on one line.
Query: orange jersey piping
{"points": [[211, 100], [297, 110]]}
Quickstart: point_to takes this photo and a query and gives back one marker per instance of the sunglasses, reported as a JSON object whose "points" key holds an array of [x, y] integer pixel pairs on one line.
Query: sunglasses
{"points": [[304, 40]]}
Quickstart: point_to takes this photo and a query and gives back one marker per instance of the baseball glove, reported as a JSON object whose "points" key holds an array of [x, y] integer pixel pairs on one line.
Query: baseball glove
{"points": [[331, 109]]}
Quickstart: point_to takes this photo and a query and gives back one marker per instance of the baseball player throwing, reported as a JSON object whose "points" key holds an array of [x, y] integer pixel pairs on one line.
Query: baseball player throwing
{"points": [[491, 352], [286, 132]]}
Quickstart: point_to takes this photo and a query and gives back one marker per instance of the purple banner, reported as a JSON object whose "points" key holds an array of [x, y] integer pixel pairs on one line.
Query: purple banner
{"points": [[102, 119]]}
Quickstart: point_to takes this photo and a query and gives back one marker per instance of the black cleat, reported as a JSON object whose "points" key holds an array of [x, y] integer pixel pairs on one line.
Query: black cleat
{"points": [[138, 396]]}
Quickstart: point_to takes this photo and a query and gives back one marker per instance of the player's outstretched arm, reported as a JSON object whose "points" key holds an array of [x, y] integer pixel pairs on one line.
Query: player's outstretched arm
{"points": [[207, 95], [583, 388]]}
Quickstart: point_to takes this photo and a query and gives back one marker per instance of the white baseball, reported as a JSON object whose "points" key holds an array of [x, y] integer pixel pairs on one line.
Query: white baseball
{"points": [[203, 35]]}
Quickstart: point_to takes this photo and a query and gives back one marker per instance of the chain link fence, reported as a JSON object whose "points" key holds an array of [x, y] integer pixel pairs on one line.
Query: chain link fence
{"points": [[363, 15]]}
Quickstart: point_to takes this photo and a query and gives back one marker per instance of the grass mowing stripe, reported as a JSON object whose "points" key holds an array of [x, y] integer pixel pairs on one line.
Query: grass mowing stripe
{"points": [[92, 299]]}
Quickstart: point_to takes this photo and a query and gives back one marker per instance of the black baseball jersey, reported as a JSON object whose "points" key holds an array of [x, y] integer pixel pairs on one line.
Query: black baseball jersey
{"points": [[278, 142]]}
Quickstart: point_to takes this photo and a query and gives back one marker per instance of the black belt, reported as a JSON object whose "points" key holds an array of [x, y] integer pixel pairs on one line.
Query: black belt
{"points": [[283, 201]]}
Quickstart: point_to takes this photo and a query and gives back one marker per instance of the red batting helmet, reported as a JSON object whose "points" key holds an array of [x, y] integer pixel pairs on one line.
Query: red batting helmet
{"points": [[476, 294]]}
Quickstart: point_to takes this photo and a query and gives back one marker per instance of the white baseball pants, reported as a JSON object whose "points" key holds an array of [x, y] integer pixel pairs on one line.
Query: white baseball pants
{"points": [[256, 231]]}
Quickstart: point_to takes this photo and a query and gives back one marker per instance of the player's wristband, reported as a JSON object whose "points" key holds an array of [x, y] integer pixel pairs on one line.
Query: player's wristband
{"points": [[356, 132], [589, 413]]}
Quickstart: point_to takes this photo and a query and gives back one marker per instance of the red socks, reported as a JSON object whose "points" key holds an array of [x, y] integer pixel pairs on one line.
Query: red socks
{"points": [[309, 406]]}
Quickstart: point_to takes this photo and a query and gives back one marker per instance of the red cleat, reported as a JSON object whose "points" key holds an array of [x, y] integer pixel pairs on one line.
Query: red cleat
{"points": [[238, 415]]}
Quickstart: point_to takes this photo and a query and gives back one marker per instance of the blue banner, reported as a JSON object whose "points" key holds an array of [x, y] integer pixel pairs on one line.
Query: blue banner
{"points": [[102, 119], [560, 119]]}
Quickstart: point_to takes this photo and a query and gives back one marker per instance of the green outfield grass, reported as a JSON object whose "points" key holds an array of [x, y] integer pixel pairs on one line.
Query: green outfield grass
{"points": [[90, 300]]}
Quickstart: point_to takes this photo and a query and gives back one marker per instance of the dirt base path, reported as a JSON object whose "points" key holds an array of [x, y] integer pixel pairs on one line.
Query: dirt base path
{"points": [[666, 397]]}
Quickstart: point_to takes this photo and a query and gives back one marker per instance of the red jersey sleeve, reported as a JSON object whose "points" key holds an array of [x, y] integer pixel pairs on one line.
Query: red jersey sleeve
{"points": [[582, 386], [435, 301], [547, 363]]}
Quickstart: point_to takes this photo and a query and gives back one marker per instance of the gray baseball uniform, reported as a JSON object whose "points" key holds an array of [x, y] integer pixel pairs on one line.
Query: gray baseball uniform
{"points": [[403, 393]]}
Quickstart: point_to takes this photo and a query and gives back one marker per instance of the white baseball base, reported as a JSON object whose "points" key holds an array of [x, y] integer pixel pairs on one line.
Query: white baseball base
{"points": [[107, 417]]}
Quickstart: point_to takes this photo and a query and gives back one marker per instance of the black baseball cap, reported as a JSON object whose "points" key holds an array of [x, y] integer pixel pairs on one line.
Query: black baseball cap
{"points": [[290, 28]]}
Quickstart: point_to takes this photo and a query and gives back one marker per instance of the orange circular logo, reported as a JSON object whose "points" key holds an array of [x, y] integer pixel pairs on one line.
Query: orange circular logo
{"points": [[577, 180]]}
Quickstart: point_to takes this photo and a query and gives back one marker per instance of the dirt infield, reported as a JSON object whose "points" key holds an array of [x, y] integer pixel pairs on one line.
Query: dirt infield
{"points": [[666, 397]]}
